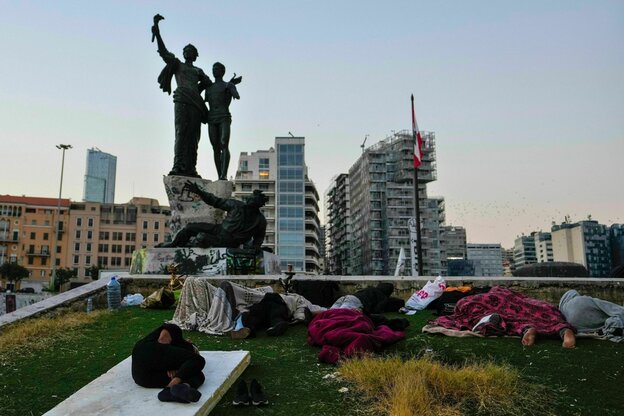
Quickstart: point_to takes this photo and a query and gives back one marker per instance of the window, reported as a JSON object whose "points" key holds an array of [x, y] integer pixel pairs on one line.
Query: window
{"points": [[88, 260], [246, 187], [263, 186], [104, 235], [78, 234], [31, 260], [264, 163], [58, 262], [76, 259], [90, 222], [89, 235], [117, 236], [44, 261], [155, 238], [45, 236], [127, 261], [33, 236], [243, 165], [145, 225], [58, 249], [144, 237], [156, 225], [129, 249], [33, 222], [76, 246], [89, 247], [130, 236], [78, 221], [103, 248]]}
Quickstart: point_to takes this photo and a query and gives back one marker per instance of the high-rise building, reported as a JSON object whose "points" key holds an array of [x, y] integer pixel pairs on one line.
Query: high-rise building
{"points": [[378, 204], [293, 226], [487, 259], [452, 245], [338, 221], [543, 247], [616, 235], [584, 242], [105, 235], [99, 182], [27, 238], [524, 251]]}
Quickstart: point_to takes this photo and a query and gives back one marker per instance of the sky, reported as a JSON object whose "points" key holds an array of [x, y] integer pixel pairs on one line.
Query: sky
{"points": [[526, 98]]}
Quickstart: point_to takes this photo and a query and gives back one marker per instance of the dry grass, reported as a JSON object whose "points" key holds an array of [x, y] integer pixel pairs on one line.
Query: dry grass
{"points": [[423, 386], [38, 333]]}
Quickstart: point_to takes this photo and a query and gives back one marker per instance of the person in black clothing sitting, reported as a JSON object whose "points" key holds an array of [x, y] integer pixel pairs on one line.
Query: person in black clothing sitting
{"points": [[166, 360]]}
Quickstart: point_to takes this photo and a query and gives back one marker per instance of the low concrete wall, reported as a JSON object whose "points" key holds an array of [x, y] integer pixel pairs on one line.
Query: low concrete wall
{"points": [[548, 289]]}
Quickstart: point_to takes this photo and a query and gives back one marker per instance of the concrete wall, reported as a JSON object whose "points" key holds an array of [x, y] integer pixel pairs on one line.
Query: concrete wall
{"points": [[541, 288]]}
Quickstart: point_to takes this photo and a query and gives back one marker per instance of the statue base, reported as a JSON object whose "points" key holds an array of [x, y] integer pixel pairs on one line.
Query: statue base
{"points": [[187, 207], [217, 261]]}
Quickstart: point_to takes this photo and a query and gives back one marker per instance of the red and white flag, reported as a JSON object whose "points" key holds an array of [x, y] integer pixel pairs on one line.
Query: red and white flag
{"points": [[417, 137]]}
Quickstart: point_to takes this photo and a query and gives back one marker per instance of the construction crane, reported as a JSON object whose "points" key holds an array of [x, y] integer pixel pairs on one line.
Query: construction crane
{"points": [[364, 142]]}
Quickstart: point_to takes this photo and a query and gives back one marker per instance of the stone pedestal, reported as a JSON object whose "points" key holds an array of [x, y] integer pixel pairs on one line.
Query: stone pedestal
{"points": [[218, 261], [187, 207]]}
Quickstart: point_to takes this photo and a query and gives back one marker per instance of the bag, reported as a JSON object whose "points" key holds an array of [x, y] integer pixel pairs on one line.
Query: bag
{"points": [[419, 300], [132, 300], [163, 298]]}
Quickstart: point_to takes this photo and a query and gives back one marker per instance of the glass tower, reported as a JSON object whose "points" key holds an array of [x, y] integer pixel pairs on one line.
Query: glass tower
{"points": [[99, 182], [290, 193]]}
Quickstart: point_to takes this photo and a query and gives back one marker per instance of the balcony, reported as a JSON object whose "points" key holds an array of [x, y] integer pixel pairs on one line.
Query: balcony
{"points": [[38, 253]]}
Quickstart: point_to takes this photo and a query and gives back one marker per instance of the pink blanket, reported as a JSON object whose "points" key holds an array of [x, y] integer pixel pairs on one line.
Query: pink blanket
{"points": [[347, 332], [517, 312]]}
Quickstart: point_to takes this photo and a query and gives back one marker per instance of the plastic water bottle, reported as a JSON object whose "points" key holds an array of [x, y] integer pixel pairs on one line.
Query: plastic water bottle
{"points": [[113, 291], [89, 304]]}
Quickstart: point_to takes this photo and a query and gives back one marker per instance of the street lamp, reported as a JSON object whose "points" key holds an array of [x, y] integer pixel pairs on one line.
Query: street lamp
{"points": [[58, 215]]}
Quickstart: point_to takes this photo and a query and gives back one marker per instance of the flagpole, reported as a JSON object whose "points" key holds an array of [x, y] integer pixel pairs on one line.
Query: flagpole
{"points": [[417, 197]]}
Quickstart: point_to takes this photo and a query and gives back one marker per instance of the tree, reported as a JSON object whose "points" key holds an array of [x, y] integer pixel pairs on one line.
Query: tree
{"points": [[63, 276], [13, 272], [94, 272]]}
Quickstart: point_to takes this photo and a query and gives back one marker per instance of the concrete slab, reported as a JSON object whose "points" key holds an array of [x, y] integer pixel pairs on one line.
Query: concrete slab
{"points": [[115, 393]]}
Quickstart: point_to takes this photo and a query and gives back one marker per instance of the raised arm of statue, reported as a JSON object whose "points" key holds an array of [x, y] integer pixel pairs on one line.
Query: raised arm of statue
{"points": [[162, 49]]}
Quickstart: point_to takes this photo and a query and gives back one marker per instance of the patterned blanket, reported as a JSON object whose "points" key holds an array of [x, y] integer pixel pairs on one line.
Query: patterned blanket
{"points": [[517, 312], [210, 309]]}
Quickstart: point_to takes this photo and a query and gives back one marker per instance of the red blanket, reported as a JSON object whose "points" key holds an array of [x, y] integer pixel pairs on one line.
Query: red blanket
{"points": [[517, 312], [347, 332]]}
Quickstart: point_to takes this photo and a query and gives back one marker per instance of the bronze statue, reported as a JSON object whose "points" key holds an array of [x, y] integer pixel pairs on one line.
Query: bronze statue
{"points": [[219, 96], [189, 108], [243, 225]]}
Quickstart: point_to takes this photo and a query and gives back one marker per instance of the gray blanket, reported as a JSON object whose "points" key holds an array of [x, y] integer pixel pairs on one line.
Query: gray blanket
{"points": [[592, 315]]}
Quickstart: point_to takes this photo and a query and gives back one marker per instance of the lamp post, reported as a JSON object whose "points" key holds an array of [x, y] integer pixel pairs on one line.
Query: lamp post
{"points": [[58, 215]]}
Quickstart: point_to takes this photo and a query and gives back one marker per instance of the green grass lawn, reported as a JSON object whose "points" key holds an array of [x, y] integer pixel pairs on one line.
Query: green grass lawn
{"points": [[584, 381]]}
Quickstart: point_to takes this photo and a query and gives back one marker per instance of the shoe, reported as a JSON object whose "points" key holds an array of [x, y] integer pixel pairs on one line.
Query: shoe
{"points": [[257, 395], [277, 329], [242, 395], [241, 333], [184, 393]]}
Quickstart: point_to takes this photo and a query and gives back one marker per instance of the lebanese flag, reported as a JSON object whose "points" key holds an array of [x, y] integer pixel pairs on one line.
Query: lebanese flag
{"points": [[417, 138]]}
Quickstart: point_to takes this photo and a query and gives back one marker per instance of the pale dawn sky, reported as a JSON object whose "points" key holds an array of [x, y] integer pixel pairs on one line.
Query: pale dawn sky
{"points": [[526, 98]]}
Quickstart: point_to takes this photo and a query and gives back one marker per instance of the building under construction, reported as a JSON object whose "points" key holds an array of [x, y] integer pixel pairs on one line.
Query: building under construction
{"points": [[368, 210]]}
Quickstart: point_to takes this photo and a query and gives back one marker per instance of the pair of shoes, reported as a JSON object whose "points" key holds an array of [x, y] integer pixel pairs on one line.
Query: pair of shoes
{"points": [[182, 393], [277, 329], [241, 333], [255, 395]]}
